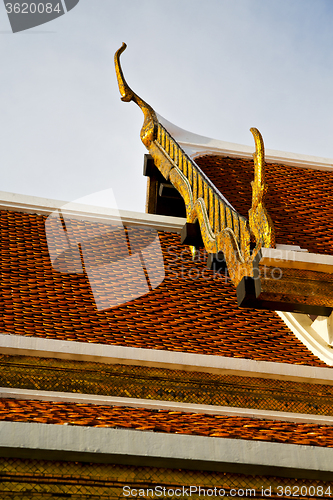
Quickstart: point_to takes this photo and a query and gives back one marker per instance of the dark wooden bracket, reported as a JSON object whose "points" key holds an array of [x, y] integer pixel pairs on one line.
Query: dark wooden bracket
{"points": [[162, 197], [149, 168], [191, 235], [167, 190]]}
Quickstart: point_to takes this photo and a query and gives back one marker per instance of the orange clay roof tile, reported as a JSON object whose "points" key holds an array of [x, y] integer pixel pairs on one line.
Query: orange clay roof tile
{"points": [[165, 421], [192, 310]]}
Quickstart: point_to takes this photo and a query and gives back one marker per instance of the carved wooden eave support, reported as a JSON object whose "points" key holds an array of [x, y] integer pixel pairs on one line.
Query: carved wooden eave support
{"points": [[224, 232]]}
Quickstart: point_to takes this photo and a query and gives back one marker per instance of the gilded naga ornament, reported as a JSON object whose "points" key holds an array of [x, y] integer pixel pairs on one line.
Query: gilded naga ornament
{"points": [[261, 224], [222, 228], [149, 129]]}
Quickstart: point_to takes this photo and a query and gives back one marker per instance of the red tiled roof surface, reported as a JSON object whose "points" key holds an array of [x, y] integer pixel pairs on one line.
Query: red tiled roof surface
{"points": [[165, 421], [299, 200], [191, 311]]}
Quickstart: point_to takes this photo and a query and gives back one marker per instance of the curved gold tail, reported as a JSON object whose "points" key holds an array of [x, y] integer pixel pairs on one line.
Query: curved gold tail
{"points": [[149, 129], [261, 224]]}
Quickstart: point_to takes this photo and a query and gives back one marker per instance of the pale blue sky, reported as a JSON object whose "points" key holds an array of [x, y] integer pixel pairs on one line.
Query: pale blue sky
{"points": [[215, 68]]}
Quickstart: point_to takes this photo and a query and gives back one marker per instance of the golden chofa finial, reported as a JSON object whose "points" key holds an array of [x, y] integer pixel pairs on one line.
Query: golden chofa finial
{"points": [[149, 129], [261, 224]]}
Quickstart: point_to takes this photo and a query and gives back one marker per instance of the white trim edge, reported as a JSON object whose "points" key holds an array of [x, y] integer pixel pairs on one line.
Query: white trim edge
{"points": [[123, 446], [154, 404], [196, 145], [43, 206]]}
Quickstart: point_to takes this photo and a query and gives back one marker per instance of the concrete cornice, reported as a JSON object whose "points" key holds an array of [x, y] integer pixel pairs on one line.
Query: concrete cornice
{"points": [[113, 354], [132, 447], [44, 206], [152, 404]]}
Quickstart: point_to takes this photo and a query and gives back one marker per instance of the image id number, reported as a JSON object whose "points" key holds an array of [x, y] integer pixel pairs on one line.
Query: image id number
{"points": [[303, 491], [33, 8]]}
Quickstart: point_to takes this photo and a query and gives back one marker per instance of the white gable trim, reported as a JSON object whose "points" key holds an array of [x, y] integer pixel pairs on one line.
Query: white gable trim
{"points": [[196, 145]]}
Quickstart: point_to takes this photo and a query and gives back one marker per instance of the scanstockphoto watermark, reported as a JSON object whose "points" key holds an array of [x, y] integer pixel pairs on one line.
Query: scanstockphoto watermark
{"points": [[26, 14], [284, 491], [178, 267], [187, 491], [121, 252]]}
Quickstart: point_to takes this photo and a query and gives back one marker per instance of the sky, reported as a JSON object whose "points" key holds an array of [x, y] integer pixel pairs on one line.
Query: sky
{"points": [[213, 67]]}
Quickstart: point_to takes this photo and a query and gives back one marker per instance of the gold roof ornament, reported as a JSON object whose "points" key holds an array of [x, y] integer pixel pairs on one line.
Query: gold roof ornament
{"points": [[222, 228], [260, 281], [261, 224], [150, 124]]}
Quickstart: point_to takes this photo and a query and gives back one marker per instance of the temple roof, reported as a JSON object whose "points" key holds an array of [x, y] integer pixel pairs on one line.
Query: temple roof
{"points": [[192, 310], [145, 322]]}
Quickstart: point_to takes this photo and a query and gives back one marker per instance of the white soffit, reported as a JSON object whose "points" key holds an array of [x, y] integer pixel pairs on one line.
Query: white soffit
{"points": [[197, 145], [303, 327]]}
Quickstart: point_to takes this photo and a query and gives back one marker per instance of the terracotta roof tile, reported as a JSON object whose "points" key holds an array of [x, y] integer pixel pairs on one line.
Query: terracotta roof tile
{"points": [[192, 310], [299, 200], [165, 421]]}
